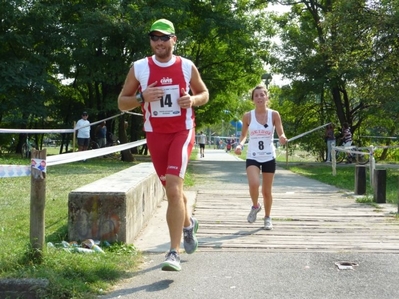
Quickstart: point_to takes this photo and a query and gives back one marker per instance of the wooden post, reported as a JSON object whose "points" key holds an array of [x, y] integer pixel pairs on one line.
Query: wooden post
{"points": [[334, 161], [372, 165], [74, 137], [37, 203], [360, 180]]}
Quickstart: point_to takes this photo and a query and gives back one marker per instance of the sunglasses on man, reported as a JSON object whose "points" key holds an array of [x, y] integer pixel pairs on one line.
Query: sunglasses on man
{"points": [[163, 38]]}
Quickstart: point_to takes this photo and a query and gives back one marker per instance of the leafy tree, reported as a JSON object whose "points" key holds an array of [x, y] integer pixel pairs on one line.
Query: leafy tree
{"points": [[332, 50], [64, 57], [27, 39]]}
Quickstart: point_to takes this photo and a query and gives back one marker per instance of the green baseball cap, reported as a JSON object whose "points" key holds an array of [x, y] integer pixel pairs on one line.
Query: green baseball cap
{"points": [[164, 26]]}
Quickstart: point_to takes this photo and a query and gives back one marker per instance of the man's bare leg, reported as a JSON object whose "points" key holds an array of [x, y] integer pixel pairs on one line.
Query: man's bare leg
{"points": [[176, 215], [187, 221]]}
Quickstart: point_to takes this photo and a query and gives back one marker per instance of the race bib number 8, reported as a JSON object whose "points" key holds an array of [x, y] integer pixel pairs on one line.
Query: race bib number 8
{"points": [[167, 106]]}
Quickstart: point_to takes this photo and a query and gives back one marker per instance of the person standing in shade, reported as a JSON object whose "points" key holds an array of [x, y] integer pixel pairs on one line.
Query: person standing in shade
{"points": [[347, 139], [168, 87], [202, 142], [261, 123], [83, 128], [330, 139], [101, 134]]}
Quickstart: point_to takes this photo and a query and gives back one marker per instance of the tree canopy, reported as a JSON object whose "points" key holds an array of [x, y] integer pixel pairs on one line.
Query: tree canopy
{"points": [[342, 58], [62, 57], [59, 58]]}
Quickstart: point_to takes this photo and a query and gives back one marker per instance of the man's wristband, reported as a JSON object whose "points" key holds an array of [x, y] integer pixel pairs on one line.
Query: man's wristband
{"points": [[140, 98]]}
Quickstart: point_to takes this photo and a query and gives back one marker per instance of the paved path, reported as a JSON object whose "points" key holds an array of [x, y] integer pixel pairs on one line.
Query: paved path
{"points": [[315, 227], [307, 215]]}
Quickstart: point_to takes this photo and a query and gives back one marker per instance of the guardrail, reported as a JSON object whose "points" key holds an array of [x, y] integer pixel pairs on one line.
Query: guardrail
{"points": [[370, 152], [299, 136]]}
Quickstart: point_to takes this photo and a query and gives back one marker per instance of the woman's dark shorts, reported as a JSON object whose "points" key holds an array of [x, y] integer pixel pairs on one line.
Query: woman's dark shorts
{"points": [[266, 167]]}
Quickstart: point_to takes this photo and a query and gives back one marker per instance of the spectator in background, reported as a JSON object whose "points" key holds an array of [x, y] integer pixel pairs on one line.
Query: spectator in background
{"points": [[330, 139], [347, 139], [202, 142], [216, 143], [346, 135], [101, 134], [83, 129]]}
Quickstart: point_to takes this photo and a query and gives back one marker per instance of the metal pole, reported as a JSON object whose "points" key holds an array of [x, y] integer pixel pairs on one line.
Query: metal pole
{"points": [[286, 154]]}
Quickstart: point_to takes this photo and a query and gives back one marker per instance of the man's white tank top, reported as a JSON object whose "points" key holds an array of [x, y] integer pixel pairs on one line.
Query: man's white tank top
{"points": [[260, 146]]}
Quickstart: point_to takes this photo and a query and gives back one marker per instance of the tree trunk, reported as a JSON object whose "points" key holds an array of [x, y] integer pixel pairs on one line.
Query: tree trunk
{"points": [[126, 154]]}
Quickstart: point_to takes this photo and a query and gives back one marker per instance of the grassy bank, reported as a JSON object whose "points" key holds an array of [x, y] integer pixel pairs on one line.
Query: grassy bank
{"points": [[305, 164], [345, 178], [71, 275]]}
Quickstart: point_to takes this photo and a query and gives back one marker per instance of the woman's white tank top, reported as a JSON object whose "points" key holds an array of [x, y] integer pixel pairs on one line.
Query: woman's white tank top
{"points": [[260, 146]]}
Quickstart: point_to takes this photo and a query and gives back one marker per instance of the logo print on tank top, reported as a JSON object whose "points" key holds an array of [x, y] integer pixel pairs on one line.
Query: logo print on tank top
{"points": [[165, 81]]}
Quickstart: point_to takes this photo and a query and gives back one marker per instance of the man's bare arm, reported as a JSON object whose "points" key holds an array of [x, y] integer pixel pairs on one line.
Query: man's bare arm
{"points": [[199, 90], [127, 97]]}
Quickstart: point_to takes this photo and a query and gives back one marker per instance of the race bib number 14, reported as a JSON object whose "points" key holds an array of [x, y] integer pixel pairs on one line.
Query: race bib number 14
{"points": [[167, 106]]}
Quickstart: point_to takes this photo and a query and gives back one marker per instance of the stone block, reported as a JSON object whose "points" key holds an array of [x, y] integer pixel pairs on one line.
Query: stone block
{"points": [[115, 208], [26, 288]]}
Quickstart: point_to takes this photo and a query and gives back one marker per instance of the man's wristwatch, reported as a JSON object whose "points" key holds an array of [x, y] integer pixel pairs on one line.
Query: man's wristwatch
{"points": [[140, 98]]}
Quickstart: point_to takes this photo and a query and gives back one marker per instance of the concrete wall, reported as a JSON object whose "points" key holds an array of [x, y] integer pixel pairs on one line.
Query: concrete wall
{"points": [[26, 288], [116, 207]]}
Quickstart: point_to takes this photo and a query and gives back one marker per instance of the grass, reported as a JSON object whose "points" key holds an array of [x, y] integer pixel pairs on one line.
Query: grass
{"points": [[70, 275], [345, 178], [304, 164]]}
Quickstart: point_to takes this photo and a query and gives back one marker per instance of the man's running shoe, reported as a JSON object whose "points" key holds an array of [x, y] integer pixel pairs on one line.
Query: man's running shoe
{"points": [[268, 223], [172, 262], [253, 213], [190, 240]]}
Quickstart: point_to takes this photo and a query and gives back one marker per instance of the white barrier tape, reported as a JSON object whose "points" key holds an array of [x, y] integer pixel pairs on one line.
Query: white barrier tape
{"points": [[101, 121], [379, 137], [133, 113], [303, 134], [79, 156], [386, 147], [36, 131], [11, 171], [22, 170], [50, 131]]}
